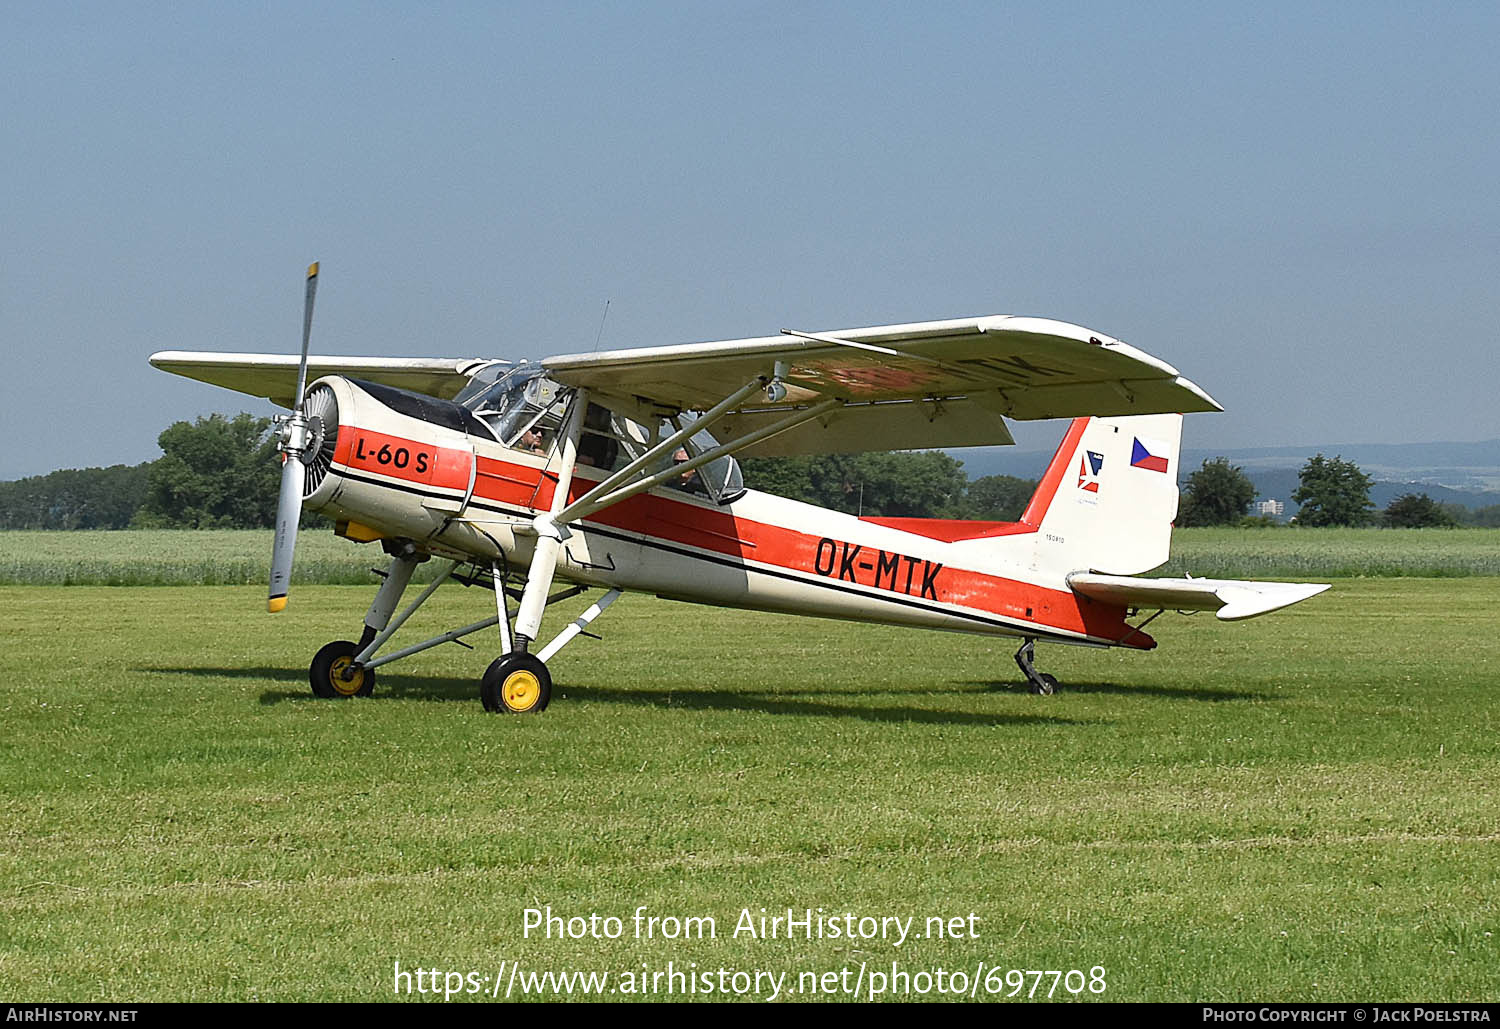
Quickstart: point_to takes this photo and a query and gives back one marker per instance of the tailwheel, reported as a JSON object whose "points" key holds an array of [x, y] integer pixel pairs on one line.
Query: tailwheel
{"points": [[516, 684], [334, 674], [1039, 682]]}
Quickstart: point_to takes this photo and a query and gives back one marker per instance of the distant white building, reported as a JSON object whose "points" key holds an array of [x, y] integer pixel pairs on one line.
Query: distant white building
{"points": [[1274, 508]]}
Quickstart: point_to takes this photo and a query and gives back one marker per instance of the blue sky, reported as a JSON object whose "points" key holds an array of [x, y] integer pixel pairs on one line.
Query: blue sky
{"points": [[1294, 204]]}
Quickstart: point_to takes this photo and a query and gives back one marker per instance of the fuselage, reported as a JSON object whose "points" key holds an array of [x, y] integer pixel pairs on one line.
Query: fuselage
{"points": [[460, 494]]}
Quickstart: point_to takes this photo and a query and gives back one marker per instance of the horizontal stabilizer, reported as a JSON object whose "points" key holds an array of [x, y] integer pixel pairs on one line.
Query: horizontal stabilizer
{"points": [[1232, 599]]}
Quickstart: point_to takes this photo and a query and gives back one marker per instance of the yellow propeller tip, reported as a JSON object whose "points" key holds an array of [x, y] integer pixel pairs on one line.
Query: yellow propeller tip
{"points": [[312, 270], [276, 604]]}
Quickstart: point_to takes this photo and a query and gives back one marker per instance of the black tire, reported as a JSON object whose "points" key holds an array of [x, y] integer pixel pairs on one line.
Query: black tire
{"points": [[517, 684], [324, 673], [1048, 685]]}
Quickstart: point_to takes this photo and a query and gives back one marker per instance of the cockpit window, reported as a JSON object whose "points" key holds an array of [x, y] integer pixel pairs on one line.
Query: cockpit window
{"points": [[525, 409], [522, 407], [482, 379]]}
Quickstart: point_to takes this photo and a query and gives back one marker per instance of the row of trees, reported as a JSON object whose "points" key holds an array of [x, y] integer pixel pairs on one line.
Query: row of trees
{"points": [[215, 473], [926, 484], [1331, 491], [219, 472]]}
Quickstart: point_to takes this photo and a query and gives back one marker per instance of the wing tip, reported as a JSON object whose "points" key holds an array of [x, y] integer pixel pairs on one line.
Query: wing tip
{"points": [[1199, 392]]}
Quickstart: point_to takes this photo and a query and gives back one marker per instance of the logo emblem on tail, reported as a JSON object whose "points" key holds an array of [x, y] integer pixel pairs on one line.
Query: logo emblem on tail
{"points": [[1088, 471], [1141, 456]]}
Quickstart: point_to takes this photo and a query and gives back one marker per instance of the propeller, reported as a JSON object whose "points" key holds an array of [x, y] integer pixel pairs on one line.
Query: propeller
{"points": [[294, 440]]}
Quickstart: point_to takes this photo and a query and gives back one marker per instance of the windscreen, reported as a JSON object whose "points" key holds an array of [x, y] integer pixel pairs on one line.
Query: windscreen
{"points": [[522, 407]]}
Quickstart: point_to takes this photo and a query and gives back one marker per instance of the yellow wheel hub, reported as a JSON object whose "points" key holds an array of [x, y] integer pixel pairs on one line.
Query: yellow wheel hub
{"points": [[342, 686], [521, 690]]}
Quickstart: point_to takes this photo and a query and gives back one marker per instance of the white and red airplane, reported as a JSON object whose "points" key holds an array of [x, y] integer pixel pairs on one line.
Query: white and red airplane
{"points": [[616, 470]]}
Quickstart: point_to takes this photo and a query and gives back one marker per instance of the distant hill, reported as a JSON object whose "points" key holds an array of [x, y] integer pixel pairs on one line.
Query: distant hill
{"points": [[1451, 473]]}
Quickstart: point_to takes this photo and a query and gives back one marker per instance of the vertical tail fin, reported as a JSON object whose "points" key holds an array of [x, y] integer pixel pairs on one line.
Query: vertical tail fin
{"points": [[1107, 500]]}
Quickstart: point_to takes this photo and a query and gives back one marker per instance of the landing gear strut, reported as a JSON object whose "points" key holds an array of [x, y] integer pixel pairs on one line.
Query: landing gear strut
{"points": [[518, 682], [1040, 682]]}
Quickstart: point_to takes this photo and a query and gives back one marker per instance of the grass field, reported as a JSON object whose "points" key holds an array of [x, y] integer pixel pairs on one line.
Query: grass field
{"points": [[1333, 553], [237, 558], [1297, 807]]}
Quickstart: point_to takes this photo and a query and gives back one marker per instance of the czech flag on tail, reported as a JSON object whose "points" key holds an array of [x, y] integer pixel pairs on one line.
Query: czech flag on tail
{"points": [[1142, 457]]}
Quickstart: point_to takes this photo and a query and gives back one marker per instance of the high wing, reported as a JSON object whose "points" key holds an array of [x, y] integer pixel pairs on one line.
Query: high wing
{"points": [[1231, 599], [924, 384], [894, 387], [274, 376]]}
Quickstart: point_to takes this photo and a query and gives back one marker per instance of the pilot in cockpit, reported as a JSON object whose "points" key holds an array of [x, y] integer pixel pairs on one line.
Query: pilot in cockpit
{"points": [[531, 441]]}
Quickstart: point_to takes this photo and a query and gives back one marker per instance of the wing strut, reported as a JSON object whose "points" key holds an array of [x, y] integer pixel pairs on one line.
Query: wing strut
{"points": [[611, 491], [665, 447]]}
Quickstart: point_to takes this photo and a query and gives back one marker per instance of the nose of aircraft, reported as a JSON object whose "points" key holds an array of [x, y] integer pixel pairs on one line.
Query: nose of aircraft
{"points": [[322, 409]]}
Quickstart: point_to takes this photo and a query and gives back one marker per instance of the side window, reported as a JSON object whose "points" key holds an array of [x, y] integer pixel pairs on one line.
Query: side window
{"points": [[598, 446], [720, 480]]}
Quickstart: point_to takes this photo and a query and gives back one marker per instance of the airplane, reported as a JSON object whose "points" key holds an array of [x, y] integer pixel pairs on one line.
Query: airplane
{"points": [[617, 470]]}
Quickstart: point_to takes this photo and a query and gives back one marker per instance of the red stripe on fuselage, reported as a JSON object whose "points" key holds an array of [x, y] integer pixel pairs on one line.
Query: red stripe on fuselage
{"points": [[425, 463], [951, 530], [690, 523]]}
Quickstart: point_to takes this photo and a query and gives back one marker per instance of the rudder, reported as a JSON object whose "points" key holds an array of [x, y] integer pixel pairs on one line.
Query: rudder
{"points": [[1107, 500]]}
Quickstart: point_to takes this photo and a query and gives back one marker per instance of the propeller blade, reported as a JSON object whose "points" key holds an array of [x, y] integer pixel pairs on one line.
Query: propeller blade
{"points": [[288, 513], [293, 471], [307, 310]]}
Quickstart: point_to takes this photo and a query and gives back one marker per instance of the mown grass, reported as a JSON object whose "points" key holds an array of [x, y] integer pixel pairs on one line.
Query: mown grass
{"points": [[1296, 807], [234, 558]]}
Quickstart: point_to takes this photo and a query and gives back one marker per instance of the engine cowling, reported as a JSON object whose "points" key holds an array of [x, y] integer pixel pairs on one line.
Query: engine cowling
{"points": [[399, 463]]}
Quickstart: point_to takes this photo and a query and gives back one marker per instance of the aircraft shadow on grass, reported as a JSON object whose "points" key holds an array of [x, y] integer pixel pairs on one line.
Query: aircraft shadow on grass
{"points": [[787, 702], [1161, 692]]}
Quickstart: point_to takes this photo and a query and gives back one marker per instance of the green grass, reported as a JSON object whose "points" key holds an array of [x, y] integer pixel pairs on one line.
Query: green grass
{"points": [[1296, 807], [1334, 553], [236, 557], [178, 557]]}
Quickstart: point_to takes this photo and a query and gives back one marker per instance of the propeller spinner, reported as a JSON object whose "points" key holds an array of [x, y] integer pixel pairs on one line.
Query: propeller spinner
{"points": [[294, 443]]}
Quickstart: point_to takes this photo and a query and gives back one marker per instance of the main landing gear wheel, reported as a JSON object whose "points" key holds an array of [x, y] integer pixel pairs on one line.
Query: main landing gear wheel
{"points": [[333, 673], [517, 684]]}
